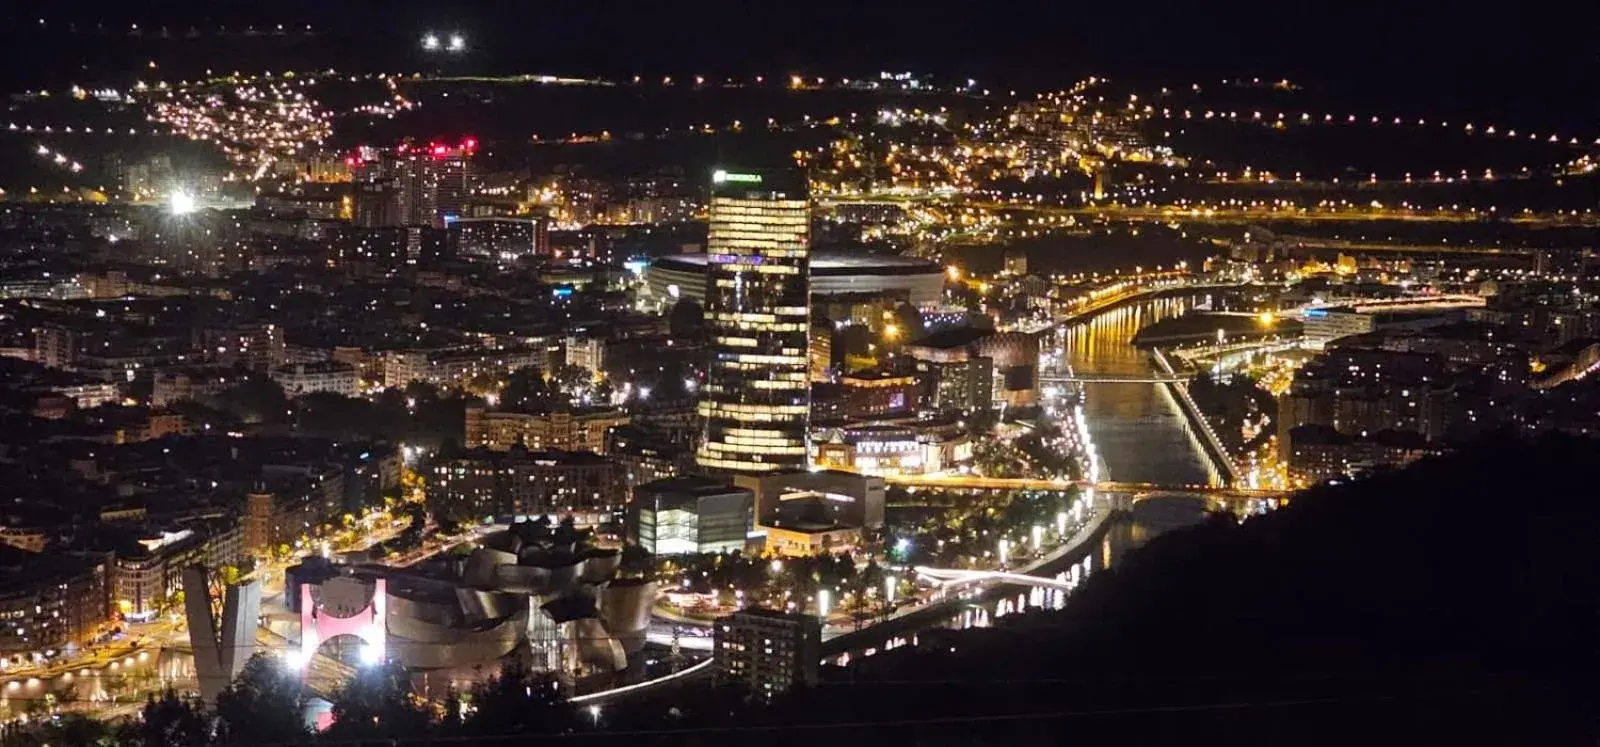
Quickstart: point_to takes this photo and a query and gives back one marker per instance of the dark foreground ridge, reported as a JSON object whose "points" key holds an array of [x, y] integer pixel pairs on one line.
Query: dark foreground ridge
{"points": [[1451, 603]]}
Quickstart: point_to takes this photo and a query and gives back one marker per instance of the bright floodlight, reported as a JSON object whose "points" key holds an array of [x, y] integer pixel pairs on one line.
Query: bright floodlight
{"points": [[370, 654], [457, 43], [181, 203], [430, 42]]}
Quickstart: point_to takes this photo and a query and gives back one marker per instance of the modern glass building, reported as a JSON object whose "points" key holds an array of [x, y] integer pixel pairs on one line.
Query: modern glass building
{"points": [[757, 397], [688, 514]]}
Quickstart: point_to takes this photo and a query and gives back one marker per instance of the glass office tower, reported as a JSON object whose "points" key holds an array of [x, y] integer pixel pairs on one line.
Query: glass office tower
{"points": [[757, 399]]}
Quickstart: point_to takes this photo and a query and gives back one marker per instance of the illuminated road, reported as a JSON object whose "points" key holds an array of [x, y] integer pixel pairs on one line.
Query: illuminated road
{"points": [[978, 482], [1232, 215]]}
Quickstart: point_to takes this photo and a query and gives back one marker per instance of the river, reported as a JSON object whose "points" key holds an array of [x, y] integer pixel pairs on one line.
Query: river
{"points": [[1141, 436], [1137, 428]]}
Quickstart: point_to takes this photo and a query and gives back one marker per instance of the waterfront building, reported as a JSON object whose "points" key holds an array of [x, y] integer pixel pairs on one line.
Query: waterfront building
{"points": [[50, 601]]}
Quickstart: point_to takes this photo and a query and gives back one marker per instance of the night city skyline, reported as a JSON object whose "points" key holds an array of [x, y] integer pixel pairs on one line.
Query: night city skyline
{"points": [[947, 373]]}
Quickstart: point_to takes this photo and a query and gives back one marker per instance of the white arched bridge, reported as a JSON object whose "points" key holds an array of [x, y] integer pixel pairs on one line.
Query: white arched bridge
{"points": [[961, 577]]}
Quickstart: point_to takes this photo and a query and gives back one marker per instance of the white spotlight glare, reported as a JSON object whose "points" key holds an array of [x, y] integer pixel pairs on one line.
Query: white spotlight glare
{"points": [[181, 203], [457, 43], [430, 42]]}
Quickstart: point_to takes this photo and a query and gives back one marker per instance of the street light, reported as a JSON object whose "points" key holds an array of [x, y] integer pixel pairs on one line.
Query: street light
{"points": [[430, 42]]}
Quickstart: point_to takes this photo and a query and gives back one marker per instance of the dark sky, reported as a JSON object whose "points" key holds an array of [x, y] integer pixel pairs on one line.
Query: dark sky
{"points": [[1503, 57]]}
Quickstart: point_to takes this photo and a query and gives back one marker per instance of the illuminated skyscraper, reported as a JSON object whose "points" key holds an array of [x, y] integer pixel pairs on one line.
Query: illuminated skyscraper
{"points": [[757, 397]]}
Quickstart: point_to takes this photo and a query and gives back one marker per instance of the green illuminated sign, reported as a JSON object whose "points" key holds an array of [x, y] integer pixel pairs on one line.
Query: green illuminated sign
{"points": [[721, 176]]}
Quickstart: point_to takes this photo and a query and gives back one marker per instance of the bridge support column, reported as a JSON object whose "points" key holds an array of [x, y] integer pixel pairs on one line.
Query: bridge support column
{"points": [[218, 661]]}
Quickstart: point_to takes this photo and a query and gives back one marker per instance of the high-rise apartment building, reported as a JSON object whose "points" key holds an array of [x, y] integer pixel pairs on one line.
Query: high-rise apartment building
{"points": [[55, 346], [757, 400], [411, 185]]}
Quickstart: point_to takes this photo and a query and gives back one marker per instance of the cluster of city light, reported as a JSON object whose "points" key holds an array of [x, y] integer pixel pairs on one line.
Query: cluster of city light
{"points": [[255, 121], [1050, 137], [1073, 130]]}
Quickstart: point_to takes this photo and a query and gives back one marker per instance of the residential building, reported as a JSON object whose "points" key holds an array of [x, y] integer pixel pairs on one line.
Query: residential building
{"points": [[272, 519], [587, 353], [323, 376], [457, 367], [645, 455], [582, 429], [1318, 453], [768, 651], [150, 571], [501, 238], [189, 383], [518, 482], [55, 346], [48, 602]]}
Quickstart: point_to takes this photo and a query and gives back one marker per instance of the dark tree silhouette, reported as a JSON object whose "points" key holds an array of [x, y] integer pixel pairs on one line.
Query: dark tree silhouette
{"points": [[377, 703], [174, 720], [256, 399], [263, 705], [518, 701], [527, 391]]}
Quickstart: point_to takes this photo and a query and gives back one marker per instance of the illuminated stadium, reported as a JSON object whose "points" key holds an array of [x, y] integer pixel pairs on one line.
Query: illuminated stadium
{"points": [[832, 274]]}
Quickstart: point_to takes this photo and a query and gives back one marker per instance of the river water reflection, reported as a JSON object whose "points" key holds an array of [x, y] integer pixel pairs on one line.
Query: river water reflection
{"points": [[1137, 428]]}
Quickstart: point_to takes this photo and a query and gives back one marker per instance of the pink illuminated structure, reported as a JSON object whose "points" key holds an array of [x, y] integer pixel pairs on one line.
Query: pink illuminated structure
{"points": [[343, 607]]}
